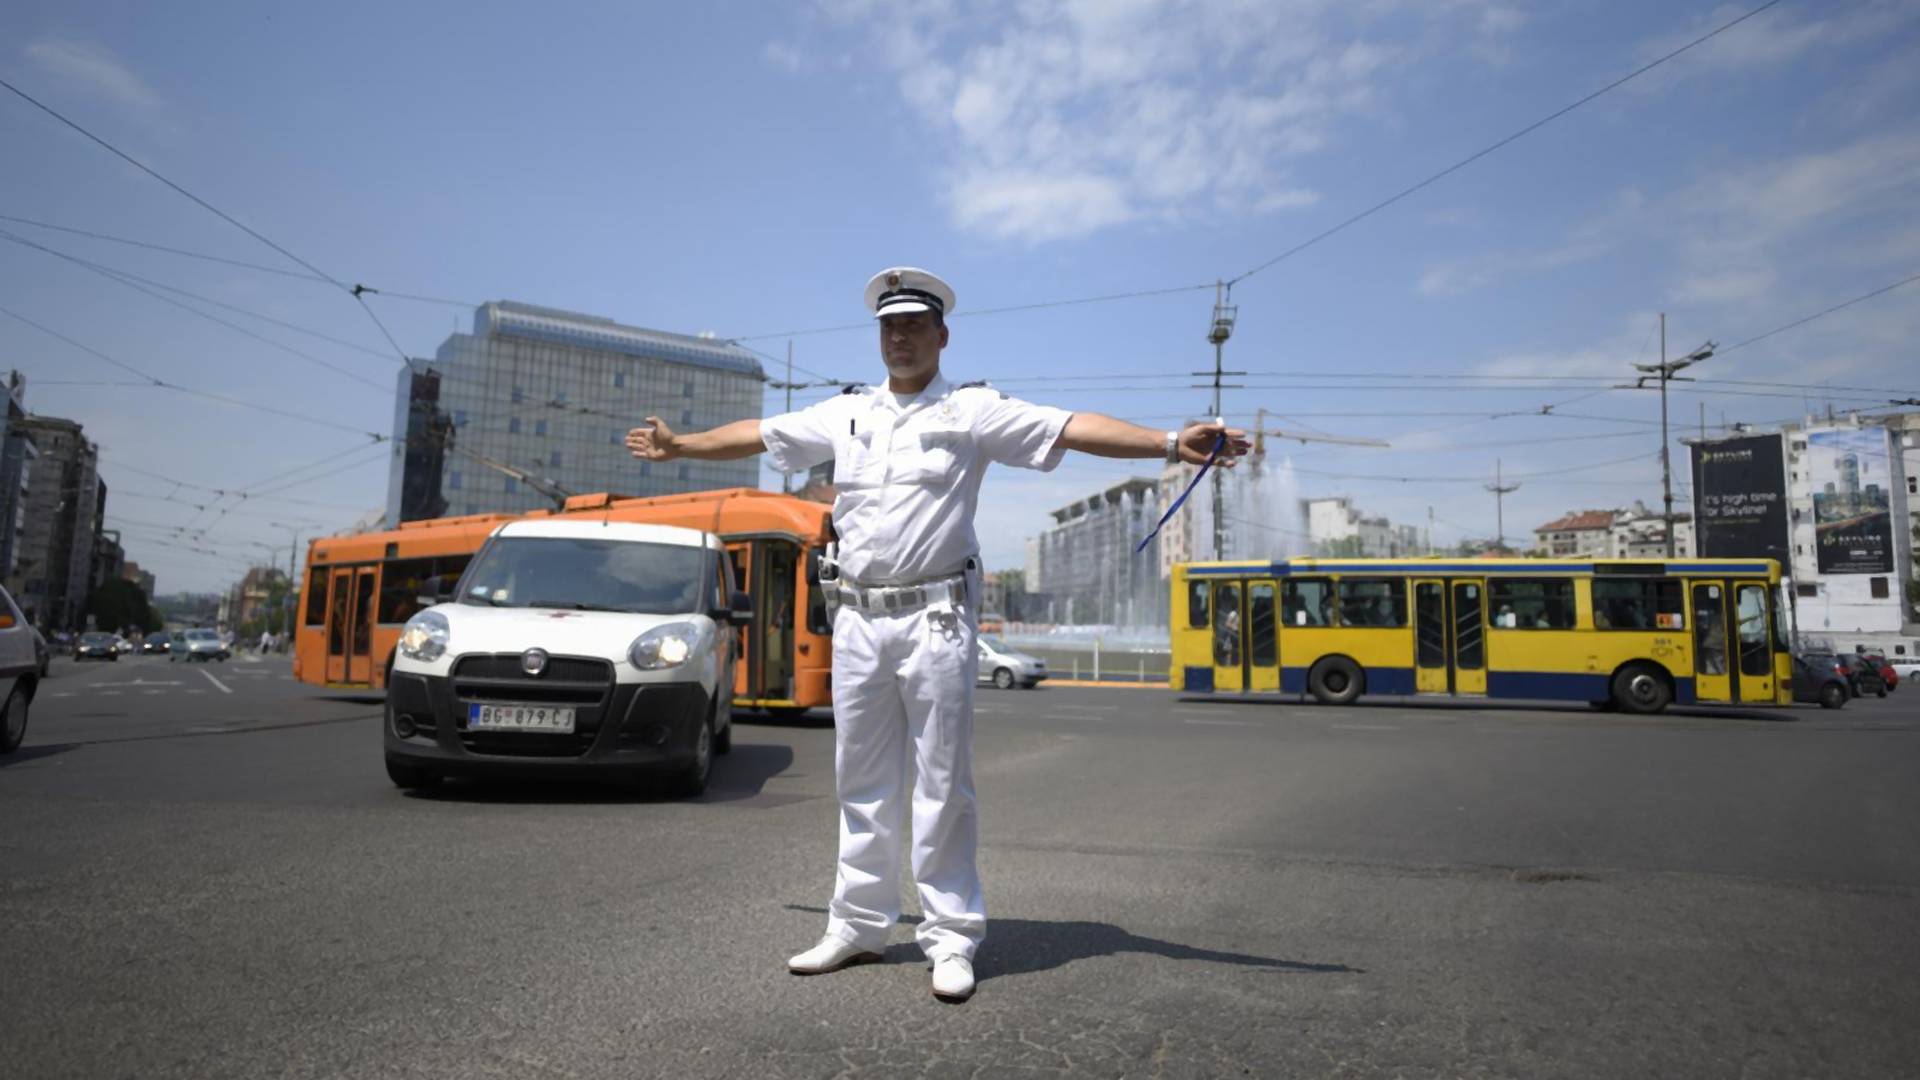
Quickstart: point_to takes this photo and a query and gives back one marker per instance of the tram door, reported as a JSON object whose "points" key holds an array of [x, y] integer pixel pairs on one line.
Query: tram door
{"points": [[350, 617], [1449, 637], [1229, 637]]}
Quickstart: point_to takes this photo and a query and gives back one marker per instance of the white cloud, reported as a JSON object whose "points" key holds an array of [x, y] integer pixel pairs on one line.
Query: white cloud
{"points": [[95, 67], [1069, 116], [1777, 35], [785, 57]]}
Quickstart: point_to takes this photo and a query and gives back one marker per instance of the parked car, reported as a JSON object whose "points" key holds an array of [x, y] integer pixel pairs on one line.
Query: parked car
{"points": [[155, 644], [1886, 670], [42, 655], [1864, 676], [1821, 677], [1005, 667], [590, 648], [19, 673], [201, 645], [95, 645], [1907, 667]]}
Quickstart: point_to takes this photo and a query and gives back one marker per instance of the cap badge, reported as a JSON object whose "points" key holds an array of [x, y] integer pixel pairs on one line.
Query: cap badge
{"points": [[893, 281]]}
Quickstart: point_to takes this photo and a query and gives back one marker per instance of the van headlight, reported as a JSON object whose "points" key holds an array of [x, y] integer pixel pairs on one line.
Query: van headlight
{"points": [[425, 636], [665, 646]]}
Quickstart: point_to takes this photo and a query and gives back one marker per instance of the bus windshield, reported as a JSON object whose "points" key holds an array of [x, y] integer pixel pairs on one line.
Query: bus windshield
{"points": [[588, 575]]}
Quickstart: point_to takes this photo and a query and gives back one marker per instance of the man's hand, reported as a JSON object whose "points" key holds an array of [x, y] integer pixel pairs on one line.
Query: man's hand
{"points": [[655, 442], [1196, 442]]}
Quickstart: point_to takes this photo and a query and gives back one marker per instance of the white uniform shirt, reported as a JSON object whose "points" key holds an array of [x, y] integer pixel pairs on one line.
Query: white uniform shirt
{"points": [[908, 473]]}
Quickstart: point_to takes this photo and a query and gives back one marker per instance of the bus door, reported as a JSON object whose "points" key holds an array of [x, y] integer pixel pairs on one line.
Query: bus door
{"points": [[1712, 671], [350, 615], [1754, 640], [1262, 646], [745, 652], [1449, 637], [1229, 636]]}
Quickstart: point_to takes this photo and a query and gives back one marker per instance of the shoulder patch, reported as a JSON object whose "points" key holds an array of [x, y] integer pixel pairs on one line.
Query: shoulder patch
{"points": [[855, 388], [979, 384]]}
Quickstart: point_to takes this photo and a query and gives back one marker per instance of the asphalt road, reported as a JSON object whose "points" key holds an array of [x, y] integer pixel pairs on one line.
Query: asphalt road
{"points": [[205, 873]]}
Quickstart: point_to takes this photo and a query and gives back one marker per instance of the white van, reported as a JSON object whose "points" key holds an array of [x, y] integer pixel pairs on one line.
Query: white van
{"points": [[571, 647]]}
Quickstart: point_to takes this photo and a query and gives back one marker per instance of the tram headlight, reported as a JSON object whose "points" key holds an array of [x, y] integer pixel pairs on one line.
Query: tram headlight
{"points": [[664, 646], [425, 636]]}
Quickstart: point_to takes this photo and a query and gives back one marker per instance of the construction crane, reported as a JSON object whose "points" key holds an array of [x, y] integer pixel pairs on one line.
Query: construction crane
{"points": [[1261, 432]]}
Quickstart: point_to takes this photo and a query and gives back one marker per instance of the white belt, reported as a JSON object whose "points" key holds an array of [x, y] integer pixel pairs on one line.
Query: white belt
{"points": [[896, 599]]}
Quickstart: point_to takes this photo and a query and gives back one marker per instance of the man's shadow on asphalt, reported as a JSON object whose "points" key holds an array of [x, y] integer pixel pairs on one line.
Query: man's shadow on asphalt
{"points": [[1025, 946]]}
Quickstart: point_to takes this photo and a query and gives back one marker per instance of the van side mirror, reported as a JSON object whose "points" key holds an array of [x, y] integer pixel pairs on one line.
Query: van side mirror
{"points": [[433, 590], [739, 610]]}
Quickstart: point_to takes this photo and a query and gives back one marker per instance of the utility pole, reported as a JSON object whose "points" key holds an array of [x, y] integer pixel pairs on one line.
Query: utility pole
{"points": [[1666, 371], [1218, 333], [1500, 492]]}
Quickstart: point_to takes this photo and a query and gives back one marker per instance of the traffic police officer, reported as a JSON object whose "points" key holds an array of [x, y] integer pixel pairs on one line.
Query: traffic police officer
{"points": [[908, 461]]}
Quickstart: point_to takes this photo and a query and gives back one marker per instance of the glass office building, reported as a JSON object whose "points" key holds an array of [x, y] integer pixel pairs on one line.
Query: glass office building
{"points": [[550, 395]]}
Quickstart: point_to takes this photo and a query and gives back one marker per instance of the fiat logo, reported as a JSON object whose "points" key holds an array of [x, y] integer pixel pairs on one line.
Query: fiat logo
{"points": [[534, 661]]}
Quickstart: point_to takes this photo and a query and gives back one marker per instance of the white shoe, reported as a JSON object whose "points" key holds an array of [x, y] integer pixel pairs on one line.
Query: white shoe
{"points": [[832, 954], [953, 978]]}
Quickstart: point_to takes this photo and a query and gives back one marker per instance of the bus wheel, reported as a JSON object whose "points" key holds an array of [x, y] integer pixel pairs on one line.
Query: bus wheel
{"points": [[1641, 688], [1336, 681]]}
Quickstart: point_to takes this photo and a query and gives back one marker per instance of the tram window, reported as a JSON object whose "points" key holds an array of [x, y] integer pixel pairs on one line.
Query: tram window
{"points": [[1469, 640], [1373, 602], [1306, 602], [817, 620], [1532, 603], [1262, 648], [317, 596], [1637, 604], [1430, 625], [1197, 604]]}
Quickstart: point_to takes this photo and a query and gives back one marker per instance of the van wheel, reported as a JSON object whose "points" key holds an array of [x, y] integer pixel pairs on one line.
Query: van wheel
{"points": [[1003, 678], [1833, 696], [404, 775], [13, 722], [1336, 681], [692, 779], [1641, 689]]}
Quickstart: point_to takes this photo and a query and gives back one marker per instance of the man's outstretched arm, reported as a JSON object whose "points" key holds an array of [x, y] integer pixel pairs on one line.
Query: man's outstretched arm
{"points": [[658, 442], [1104, 436]]}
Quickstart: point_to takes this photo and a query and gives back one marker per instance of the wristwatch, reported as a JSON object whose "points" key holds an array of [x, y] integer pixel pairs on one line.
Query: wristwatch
{"points": [[1173, 447]]}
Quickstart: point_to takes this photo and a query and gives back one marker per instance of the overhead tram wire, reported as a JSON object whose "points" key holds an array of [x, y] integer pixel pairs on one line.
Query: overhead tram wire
{"points": [[130, 282], [1884, 289], [241, 263], [1483, 152], [1136, 294], [355, 291], [177, 388]]}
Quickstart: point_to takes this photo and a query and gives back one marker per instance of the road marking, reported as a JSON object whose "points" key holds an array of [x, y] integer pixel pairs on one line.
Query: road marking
{"points": [[1362, 727], [224, 688], [1220, 723], [1091, 708]]}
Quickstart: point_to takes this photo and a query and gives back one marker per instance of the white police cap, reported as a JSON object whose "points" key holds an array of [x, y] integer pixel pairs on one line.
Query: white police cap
{"points": [[900, 290]]}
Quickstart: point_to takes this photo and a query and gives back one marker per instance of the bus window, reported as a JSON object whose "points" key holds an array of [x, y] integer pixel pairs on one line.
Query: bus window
{"points": [[1709, 631], [1637, 604], [337, 616], [1756, 656], [1196, 604], [317, 596], [1532, 603], [1373, 602], [1226, 629], [817, 620], [1469, 641], [362, 625], [1263, 649], [1306, 601]]}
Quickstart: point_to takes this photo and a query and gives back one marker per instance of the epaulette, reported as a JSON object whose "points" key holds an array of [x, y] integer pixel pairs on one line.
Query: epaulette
{"points": [[978, 383], [855, 388]]}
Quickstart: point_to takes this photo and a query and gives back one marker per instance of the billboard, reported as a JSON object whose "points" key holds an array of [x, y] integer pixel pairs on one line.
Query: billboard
{"points": [[1852, 511], [1740, 499]]}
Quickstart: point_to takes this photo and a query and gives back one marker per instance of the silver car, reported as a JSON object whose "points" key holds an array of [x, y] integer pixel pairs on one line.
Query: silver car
{"points": [[1006, 667], [19, 673], [201, 645]]}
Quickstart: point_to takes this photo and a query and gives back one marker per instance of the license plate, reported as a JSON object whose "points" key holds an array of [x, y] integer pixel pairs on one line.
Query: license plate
{"points": [[519, 718]]}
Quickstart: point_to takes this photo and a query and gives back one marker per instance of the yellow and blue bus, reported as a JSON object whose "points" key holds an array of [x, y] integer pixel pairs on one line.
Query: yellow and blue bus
{"points": [[1636, 635]]}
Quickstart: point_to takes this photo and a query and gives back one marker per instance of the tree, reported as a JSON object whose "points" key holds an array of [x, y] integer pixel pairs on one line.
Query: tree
{"points": [[119, 605]]}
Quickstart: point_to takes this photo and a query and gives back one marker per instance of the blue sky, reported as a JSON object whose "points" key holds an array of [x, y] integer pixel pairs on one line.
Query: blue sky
{"points": [[743, 168]]}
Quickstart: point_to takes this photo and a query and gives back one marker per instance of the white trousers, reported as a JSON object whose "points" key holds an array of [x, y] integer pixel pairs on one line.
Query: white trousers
{"points": [[903, 687]]}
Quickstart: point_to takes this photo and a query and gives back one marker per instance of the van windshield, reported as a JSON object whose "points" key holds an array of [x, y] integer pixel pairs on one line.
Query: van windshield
{"points": [[580, 574]]}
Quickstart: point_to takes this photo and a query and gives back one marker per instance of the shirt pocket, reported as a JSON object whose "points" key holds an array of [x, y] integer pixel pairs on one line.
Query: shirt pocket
{"points": [[938, 456], [854, 463]]}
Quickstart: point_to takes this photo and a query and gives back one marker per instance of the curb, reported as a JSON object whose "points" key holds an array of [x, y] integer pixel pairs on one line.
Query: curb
{"points": [[1109, 684]]}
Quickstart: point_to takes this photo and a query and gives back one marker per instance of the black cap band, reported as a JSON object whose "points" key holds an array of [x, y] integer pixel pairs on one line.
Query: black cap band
{"points": [[928, 298]]}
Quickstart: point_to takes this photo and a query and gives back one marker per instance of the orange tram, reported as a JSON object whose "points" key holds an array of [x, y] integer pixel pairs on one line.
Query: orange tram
{"points": [[362, 588]]}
